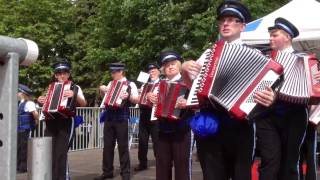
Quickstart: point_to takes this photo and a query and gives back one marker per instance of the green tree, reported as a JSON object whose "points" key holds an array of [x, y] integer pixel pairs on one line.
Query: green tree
{"points": [[45, 22], [94, 33]]}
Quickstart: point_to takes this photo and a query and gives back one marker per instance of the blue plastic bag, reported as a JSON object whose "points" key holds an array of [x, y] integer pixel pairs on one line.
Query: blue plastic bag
{"points": [[103, 116], [78, 120], [204, 124], [134, 120]]}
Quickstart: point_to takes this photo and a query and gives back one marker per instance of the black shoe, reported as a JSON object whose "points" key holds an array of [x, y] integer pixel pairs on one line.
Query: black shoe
{"points": [[103, 177], [140, 168], [125, 178]]}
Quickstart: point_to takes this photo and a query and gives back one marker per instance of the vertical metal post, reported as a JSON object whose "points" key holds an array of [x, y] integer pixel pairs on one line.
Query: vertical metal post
{"points": [[12, 53], [8, 116], [40, 158]]}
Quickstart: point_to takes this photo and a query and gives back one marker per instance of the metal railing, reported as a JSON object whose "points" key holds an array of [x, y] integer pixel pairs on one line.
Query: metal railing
{"points": [[89, 134]]}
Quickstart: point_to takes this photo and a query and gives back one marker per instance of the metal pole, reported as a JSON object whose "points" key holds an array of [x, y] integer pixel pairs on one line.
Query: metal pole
{"points": [[40, 158], [12, 53], [8, 113]]}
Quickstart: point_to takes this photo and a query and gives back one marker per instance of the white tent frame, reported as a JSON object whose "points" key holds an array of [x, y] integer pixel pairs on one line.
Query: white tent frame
{"points": [[304, 14]]}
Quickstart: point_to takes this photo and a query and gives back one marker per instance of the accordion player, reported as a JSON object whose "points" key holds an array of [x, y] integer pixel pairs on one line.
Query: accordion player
{"points": [[112, 97], [56, 105], [169, 92], [148, 87], [232, 76], [299, 85]]}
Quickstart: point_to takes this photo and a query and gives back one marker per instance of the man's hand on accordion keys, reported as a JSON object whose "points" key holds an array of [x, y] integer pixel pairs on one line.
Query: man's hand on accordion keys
{"points": [[103, 89], [68, 93], [152, 97], [265, 97], [192, 68], [181, 103]]}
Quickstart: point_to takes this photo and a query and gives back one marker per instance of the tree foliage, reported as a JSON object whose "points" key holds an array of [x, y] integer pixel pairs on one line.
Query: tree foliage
{"points": [[93, 33]]}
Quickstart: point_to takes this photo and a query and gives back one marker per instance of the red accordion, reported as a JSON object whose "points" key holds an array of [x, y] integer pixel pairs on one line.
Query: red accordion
{"points": [[148, 87], [169, 92], [57, 106], [232, 76], [299, 86], [112, 98]]}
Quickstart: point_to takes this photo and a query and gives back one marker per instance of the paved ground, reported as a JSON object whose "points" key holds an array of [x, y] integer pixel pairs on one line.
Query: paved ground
{"points": [[85, 165]]}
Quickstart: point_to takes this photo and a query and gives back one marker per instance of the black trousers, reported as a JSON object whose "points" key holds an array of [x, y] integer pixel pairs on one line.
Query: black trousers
{"points": [[62, 133], [174, 149], [22, 150], [146, 129], [116, 131], [228, 154], [279, 138], [308, 153]]}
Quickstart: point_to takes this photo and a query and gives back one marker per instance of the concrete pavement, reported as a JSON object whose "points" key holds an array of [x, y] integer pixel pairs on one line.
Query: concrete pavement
{"points": [[85, 165]]}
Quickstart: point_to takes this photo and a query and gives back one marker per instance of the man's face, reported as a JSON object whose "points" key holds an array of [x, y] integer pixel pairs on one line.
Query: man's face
{"points": [[116, 74], [62, 76], [230, 28], [279, 39], [154, 73]]}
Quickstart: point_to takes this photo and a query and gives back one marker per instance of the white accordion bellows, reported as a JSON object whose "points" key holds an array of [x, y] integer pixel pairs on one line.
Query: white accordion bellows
{"points": [[299, 86]]}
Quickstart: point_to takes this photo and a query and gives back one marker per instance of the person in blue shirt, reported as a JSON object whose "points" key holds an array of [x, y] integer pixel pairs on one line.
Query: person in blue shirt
{"points": [[28, 118]]}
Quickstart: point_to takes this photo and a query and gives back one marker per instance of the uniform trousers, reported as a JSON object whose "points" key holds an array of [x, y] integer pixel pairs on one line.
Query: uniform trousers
{"points": [[228, 154], [22, 150], [174, 150], [279, 137], [62, 133], [308, 153], [146, 129], [116, 131]]}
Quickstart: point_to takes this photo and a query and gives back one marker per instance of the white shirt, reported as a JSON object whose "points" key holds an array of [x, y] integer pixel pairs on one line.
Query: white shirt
{"points": [[175, 78], [80, 93], [237, 41], [155, 81], [288, 49], [29, 107]]}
